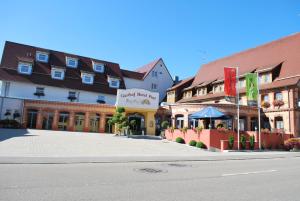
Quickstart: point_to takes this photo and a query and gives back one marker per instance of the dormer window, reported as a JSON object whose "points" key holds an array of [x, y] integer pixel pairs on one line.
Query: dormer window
{"points": [[71, 62], [25, 68], [113, 82], [57, 73], [98, 67], [87, 78], [42, 56]]}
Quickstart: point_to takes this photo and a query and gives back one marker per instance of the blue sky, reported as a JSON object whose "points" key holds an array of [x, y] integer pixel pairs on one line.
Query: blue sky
{"points": [[184, 33]]}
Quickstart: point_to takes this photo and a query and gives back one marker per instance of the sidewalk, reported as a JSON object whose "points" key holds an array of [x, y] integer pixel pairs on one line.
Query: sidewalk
{"points": [[40, 146]]}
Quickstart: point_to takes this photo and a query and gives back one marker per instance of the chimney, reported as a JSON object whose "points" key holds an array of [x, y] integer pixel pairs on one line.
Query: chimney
{"points": [[176, 79]]}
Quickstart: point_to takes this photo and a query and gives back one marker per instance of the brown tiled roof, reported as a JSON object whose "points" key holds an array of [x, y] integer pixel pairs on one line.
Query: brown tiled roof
{"points": [[186, 81], [148, 67], [292, 81], [42, 71], [132, 74], [285, 50]]}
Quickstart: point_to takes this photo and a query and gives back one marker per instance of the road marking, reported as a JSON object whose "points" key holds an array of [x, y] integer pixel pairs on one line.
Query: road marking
{"points": [[246, 173]]}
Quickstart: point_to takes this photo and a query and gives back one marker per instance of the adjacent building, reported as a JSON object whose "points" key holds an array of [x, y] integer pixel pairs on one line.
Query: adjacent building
{"points": [[277, 64], [48, 89]]}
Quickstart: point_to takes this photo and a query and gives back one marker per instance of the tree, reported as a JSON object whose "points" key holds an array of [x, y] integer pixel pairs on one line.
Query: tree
{"points": [[120, 121]]}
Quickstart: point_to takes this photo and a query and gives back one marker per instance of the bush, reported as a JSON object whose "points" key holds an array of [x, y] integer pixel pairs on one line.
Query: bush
{"points": [[252, 141], [220, 125], [292, 143], [243, 142], [164, 125], [180, 140], [9, 123], [192, 143], [230, 142], [201, 145]]}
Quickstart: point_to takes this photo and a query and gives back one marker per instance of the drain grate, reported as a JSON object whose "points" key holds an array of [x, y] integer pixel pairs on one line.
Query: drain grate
{"points": [[150, 170]]}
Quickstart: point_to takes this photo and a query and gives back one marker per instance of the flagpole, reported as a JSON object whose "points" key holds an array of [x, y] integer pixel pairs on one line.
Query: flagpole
{"points": [[238, 106], [258, 108]]}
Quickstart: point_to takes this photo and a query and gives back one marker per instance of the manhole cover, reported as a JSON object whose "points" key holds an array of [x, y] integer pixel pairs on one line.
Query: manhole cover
{"points": [[150, 170]]}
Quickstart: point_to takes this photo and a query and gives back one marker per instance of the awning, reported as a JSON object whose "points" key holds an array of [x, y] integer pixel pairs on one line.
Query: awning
{"points": [[207, 113]]}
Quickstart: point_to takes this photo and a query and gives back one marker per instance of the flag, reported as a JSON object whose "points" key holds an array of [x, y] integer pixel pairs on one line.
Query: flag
{"points": [[251, 87], [230, 82]]}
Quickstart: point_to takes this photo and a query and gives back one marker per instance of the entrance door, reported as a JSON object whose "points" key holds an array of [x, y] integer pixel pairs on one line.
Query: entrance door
{"points": [[79, 122], [47, 121], [108, 127], [63, 121], [31, 118], [137, 124], [94, 123]]}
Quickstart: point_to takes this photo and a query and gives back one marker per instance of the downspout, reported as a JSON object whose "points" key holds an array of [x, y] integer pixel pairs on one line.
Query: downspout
{"points": [[289, 110]]}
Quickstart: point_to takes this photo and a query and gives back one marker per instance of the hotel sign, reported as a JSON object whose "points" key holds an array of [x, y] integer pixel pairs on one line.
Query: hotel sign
{"points": [[137, 98]]}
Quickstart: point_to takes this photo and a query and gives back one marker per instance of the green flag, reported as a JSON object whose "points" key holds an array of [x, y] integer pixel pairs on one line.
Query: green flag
{"points": [[251, 86]]}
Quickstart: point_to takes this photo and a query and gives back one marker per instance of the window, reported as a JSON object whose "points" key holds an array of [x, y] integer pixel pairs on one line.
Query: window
{"points": [[266, 98], [113, 82], [101, 99], [266, 78], [154, 86], [154, 73], [25, 68], [42, 56], [57, 73], [278, 96], [71, 62], [279, 123], [40, 90], [98, 67], [72, 96], [87, 78]]}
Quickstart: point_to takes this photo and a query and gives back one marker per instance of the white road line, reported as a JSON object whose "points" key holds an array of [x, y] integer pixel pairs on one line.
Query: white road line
{"points": [[246, 173]]}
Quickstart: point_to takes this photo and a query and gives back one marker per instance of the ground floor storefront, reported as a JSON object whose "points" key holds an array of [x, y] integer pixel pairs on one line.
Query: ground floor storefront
{"points": [[67, 116]]}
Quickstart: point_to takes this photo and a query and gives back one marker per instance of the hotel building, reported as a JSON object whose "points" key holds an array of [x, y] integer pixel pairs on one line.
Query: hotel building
{"points": [[277, 64], [47, 89]]}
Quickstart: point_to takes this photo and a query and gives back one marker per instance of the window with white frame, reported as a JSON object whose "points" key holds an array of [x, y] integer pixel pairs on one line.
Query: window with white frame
{"points": [[25, 68], [58, 74], [87, 78], [98, 67], [42, 56], [114, 82], [71, 62]]}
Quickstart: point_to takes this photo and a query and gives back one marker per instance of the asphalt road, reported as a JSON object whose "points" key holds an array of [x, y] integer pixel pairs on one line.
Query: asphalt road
{"points": [[260, 179]]}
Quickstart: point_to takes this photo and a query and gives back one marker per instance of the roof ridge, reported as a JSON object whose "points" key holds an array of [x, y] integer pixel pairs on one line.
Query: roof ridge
{"points": [[254, 48]]}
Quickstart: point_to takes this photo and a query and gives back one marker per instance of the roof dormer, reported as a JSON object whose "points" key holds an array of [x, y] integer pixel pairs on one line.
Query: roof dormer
{"points": [[71, 62]]}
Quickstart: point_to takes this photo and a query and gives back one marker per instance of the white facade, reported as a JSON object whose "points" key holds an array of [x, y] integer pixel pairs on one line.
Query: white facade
{"points": [[26, 91], [162, 79], [11, 106]]}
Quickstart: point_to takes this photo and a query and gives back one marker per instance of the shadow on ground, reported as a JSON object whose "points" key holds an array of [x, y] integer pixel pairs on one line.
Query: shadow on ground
{"points": [[6, 134]]}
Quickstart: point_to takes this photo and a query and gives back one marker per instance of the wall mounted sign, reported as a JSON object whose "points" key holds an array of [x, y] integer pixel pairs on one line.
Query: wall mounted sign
{"points": [[137, 98]]}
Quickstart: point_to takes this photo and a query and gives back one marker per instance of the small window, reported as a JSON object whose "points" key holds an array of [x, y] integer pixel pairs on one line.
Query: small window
{"points": [[114, 83], [25, 68], [278, 96], [98, 67], [154, 86], [72, 94], [154, 73], [87, 78], [40, 90], [71, 62], [58, 74], [101, 99], [266, 98], [42, 56]]}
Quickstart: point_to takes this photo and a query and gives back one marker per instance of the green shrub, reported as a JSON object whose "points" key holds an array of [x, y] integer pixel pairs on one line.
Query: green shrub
{"points": [[201, 145], [230, 142], [192, 143], [252, 141], [180, 140], [243, 142], [164, 125]]}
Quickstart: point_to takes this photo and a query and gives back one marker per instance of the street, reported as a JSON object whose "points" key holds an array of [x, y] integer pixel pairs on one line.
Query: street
{"points": [[257, 179]]}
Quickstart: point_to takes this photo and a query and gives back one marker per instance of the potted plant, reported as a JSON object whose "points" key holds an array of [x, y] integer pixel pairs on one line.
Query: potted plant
{"points": [[252, 142], [230, 142], [278, 103], [243, 141], [164, 126]]}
